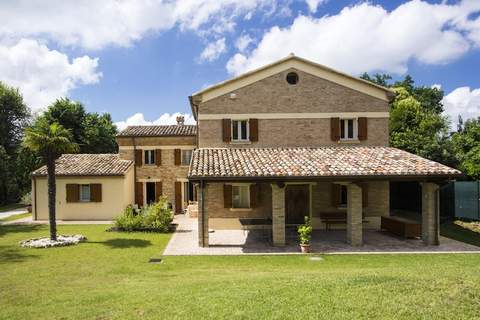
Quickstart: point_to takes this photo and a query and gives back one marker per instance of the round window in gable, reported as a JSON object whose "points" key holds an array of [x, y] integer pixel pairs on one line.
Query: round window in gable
{"points": [[292, 78]]}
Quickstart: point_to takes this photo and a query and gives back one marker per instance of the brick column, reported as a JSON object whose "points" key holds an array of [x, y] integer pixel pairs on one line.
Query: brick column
{"points": [[202, 216], [278, 215], [430, 214], [354, 215]]}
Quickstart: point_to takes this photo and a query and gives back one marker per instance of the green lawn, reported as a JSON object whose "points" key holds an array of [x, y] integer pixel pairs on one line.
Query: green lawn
{"points": [[15, 217], [11, 206], [466, 231], [109, 277]]}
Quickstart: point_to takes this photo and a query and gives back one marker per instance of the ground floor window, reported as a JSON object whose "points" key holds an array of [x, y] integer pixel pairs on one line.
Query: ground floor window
{"points": [[84, 193], [150, 196], [241, 196]]}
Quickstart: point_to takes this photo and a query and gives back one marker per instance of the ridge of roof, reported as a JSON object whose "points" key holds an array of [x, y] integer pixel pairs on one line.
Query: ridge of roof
{"points": [[158, 131]]}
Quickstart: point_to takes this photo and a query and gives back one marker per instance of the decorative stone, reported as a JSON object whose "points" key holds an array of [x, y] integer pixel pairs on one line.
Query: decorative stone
{"points": [[62, 240]]}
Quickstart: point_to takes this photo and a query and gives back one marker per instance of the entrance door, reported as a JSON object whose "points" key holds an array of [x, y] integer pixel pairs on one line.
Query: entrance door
{"points": [[297, 203], [150, 192]]}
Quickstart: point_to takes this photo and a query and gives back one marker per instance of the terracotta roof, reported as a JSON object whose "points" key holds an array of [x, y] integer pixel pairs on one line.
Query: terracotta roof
{"points": [[322, 162], [88, 165], [159, 131]]}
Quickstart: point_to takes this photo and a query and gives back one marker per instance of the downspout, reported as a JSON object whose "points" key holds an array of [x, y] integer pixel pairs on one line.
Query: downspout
{"points": [[134, 170]]}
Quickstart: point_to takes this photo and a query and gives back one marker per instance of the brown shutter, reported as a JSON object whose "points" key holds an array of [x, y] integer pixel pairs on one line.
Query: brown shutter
{"points": [[96, 192], [227, 196], [178, 157], [178, 197], [73, 192], [253, 123], [335, 129], [139, 193], [158, 157], [336, 194], [253, 195], [362, 128], [158, 190], [227, 130], [364, 187], [138, 157]]}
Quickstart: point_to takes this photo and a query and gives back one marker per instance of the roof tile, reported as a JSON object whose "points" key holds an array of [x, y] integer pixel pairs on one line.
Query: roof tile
{"points": [[159, 131]]}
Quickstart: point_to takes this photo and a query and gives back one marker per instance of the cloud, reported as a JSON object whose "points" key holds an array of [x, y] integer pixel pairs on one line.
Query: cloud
{"points": [[138, 119], [213, 50], [43, 75], [313, 4], [366, 37], [243, 42], [462, 101]]}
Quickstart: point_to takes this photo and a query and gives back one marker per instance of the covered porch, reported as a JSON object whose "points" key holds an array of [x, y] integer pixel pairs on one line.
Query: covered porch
{"points": [[349, 169]]}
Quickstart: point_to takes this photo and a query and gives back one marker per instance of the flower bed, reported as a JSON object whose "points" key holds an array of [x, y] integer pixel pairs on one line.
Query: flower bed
{"points": [[46, 242]]}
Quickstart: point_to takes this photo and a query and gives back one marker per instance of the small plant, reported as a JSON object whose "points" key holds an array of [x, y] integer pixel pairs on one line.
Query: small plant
{"points": [[129, 220], [154, 217], [305, 234], [26, 199]]}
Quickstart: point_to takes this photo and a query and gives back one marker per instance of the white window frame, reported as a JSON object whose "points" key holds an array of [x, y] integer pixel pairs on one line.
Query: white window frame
{"points": [[152, 151], [82, 194], [239, 130], [183, 151], [345, 129], [247, 186]]}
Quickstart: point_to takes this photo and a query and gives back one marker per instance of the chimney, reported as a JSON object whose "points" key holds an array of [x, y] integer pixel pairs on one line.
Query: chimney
{"points": [[180, 120]]}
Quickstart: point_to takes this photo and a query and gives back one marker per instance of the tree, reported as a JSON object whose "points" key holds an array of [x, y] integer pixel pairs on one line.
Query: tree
{"points": [[50, 140], [94, 133], [466, 142]]}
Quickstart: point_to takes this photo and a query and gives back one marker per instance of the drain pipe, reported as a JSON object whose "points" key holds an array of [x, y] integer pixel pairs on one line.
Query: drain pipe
{"points": [[134, 170]]}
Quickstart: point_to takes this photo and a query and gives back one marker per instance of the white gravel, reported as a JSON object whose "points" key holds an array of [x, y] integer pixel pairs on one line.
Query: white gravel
{"points": [[62, 240]]}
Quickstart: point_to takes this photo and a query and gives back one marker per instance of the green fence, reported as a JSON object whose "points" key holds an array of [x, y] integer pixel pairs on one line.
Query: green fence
{"points": [[461, 199]]}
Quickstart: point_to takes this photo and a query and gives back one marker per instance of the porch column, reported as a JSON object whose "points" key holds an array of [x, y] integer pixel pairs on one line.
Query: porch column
{"points": [[278, 215], [430, 214], [202, 215], [354, 215]]}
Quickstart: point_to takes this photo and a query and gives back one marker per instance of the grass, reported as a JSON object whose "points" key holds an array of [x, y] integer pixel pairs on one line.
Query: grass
{"points": [[109, 277], [16, 217], [11, 206], [465, 231]]}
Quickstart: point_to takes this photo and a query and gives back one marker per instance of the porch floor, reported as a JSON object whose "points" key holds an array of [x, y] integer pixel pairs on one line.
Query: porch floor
{"points": [[236, 242]]}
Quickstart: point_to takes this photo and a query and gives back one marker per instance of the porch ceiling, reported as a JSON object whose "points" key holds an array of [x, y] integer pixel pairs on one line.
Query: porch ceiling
{"points": [[330, 162]]}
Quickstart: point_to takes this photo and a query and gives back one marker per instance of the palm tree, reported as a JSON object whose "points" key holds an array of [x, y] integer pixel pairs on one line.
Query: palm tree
{"points": [[49, 141]]}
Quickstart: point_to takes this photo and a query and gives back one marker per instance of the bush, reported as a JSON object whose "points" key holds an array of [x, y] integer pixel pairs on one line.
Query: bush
{"points": [[305, 232], [154, 217], [27, 199]]}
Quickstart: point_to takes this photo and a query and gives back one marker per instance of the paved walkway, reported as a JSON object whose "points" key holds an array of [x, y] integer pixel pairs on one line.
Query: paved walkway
{"points": [[29, 220], [12, 212], [235, 242]]}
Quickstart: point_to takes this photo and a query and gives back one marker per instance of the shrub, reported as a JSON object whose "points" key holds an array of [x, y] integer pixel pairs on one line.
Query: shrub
{"points": [[27, 199], [154, 217], [305, 232]]}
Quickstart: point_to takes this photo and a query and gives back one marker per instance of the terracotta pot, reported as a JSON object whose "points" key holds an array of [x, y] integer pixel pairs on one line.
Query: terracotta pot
{"points": [[305, 248]]}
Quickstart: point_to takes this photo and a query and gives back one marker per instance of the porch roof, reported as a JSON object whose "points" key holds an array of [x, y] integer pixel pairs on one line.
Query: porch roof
{"points": [[339, 162]]}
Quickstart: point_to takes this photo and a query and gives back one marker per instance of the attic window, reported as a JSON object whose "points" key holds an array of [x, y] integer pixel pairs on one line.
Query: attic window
{"points": [[292, 78]]}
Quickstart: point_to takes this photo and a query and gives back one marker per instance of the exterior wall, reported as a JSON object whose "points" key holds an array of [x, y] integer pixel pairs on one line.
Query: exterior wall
{"points": [[168, 173], [274, 95], [117, 193]]}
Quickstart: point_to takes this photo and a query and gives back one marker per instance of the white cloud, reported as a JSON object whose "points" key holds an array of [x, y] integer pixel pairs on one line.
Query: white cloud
{"points": [[313, 4], [213, 50], [436, 86], [243, 42], [366, 37], [43, 75], [462, 101], [138, 119]]}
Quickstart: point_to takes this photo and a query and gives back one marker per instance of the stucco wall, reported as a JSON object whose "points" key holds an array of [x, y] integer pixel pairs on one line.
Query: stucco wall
{"points": [[117, 193]]}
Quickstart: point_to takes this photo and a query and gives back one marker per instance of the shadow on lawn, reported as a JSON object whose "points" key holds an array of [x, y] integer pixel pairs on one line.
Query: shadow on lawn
{"points": [[120, 243], [10, 254], [456, 232], [15, 228]]}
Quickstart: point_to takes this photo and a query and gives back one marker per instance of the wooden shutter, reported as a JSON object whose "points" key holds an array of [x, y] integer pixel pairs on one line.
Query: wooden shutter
{"points": [[362, 128], [227, 130], [158, 157], [253, 123], [73, 192], [254, 195], [336, 194], [227, 196], [158, 190], [139, 193], [178, 157], [178, 197], [96, 192], [335, 129], [364, 187], [138, 157]]}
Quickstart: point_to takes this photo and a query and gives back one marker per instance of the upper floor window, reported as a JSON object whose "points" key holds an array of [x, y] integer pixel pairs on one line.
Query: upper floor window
{"points": [[186, 157], [348, 129], [84, 191], [149, 157], [241, 196], [240, 130]]}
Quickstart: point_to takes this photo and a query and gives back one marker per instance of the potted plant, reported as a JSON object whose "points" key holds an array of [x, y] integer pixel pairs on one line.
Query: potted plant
{"points": [[304, 235]]}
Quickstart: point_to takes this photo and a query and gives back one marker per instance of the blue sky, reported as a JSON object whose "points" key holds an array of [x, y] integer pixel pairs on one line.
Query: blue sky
{"points": [[139, 60]]}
